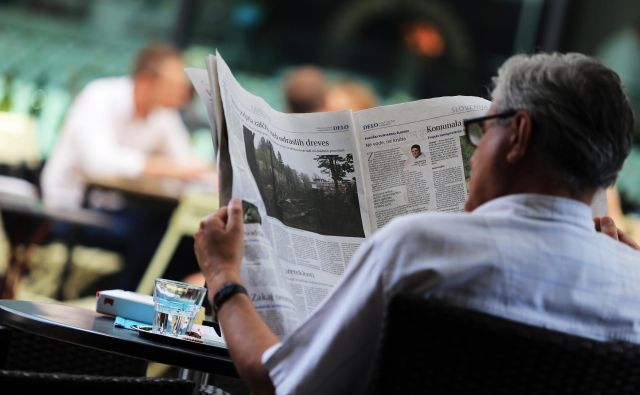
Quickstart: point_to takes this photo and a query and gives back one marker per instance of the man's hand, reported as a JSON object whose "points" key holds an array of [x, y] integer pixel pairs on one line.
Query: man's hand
{"points": [[608, 227], [219, 245]]}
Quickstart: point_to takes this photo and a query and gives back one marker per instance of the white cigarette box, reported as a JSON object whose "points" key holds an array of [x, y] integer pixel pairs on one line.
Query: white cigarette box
{"points": [[126, 304]]}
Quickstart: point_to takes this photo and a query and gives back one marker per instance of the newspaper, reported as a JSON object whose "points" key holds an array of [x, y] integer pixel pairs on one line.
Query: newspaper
{"points": [[316, 185]]}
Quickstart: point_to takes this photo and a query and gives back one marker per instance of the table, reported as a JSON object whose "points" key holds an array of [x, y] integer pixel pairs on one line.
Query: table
{"points": [[91, 329], [26, 222], [34, 208], [168, 190]]}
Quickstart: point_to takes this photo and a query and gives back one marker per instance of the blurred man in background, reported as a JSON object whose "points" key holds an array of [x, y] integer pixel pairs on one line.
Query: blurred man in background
{"points": [[125, 127]]}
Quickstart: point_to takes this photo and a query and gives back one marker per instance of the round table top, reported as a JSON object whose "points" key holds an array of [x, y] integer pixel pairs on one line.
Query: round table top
{"points": [[91, 329], [19, 205]]}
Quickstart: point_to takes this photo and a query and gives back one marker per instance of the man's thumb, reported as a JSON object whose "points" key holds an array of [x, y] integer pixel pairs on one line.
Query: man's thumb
{"points": [[235, 214]]}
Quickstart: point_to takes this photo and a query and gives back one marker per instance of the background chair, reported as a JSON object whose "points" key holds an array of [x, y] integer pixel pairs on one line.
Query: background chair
{"points": [[430, 348], [184, 221]]}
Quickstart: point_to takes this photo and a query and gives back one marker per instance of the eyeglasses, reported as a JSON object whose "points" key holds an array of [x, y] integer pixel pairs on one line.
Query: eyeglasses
{"points": [[474, 127]]}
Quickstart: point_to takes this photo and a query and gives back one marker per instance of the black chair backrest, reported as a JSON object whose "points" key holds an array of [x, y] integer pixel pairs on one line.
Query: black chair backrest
{"points": [[25, 351], [36, 383], [431, 348]]}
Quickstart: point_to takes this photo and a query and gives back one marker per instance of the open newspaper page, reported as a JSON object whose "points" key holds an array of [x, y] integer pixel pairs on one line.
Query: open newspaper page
{"points": [[415, 156], [205, 82], [304, 208], [201, 83]]}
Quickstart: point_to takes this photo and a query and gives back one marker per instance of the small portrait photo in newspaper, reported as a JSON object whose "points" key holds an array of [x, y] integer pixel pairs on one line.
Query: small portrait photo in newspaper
{"points": [[416, 155]]}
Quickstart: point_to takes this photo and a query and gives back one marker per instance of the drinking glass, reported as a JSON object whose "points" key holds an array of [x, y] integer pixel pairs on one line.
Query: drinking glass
{"points": [[176, 305]]}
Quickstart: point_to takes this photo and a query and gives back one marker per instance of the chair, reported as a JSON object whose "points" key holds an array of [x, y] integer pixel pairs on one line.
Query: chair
{"points": [[37, 365], [184, 221], [28, 352], [427, 347], [28, 383]]}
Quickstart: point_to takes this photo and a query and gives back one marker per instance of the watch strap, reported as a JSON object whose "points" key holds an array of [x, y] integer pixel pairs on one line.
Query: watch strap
{"points": [[225, 293]]}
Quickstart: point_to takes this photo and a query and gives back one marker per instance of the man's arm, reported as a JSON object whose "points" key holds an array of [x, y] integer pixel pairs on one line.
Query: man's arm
{"points": [[176, 156], [164, 166], [219, 247]]}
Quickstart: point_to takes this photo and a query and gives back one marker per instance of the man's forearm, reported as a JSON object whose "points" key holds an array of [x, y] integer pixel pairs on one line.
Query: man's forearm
{"points": [[247, 337], [219, 247]]}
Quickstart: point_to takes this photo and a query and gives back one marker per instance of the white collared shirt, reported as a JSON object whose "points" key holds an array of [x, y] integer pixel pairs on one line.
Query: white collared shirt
{"points": [[101, 137], [531, 258]]}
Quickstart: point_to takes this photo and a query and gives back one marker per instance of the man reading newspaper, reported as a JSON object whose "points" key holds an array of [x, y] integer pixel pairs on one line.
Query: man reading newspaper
{"points": [[558, 128]]}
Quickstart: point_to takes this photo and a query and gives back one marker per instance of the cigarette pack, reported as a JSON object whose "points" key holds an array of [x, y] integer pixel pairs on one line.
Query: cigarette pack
{"points": [[126, 304]]}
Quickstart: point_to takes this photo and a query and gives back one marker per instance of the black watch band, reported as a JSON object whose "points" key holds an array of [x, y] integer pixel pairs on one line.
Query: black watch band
{"points": [[223, 294]]}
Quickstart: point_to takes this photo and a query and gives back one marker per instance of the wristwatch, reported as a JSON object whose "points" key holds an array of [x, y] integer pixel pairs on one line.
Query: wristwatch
{"points": [[224, 293]]}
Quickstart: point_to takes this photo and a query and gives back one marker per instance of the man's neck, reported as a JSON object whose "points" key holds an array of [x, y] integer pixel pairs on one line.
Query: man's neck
{"points": [[542, 181]]}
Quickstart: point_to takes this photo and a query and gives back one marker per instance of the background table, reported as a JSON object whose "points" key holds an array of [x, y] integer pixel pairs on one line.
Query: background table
{"points": [[27, 222], [161, 189], [90, 329]]}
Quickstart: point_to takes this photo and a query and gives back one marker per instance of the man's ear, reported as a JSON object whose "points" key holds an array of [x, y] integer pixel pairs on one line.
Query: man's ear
{"points": [[520, 138]]}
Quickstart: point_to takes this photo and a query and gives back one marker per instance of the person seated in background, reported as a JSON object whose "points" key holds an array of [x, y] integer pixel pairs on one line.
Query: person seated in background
{"points": [[304, 89], [349, 95], [526, 249], [125, 126]]}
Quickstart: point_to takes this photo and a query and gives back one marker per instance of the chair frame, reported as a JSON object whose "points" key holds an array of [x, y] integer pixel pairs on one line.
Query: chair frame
{"points": [[30, 382], [184, 221], [429, 347]]}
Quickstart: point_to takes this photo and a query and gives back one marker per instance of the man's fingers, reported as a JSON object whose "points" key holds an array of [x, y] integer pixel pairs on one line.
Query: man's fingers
{"points": [[234, 213], [608, 227], [221, 214], [229, 217], [205, 220], [214, 221], [628, 240], [596, 221]]}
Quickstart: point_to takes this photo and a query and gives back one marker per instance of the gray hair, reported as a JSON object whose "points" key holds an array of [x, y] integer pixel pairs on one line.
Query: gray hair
{"points": [[582, 120]]}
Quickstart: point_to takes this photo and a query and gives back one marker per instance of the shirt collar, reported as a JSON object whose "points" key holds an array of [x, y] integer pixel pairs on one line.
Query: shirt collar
{"points": [[543, 207]]}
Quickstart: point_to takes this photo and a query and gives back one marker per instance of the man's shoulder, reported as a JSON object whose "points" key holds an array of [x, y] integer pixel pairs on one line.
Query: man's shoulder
{"points": [[109, 86]]}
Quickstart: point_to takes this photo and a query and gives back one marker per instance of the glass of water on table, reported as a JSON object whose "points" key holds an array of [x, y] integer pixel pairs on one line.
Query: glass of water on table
{"points": [[176, 305]]}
